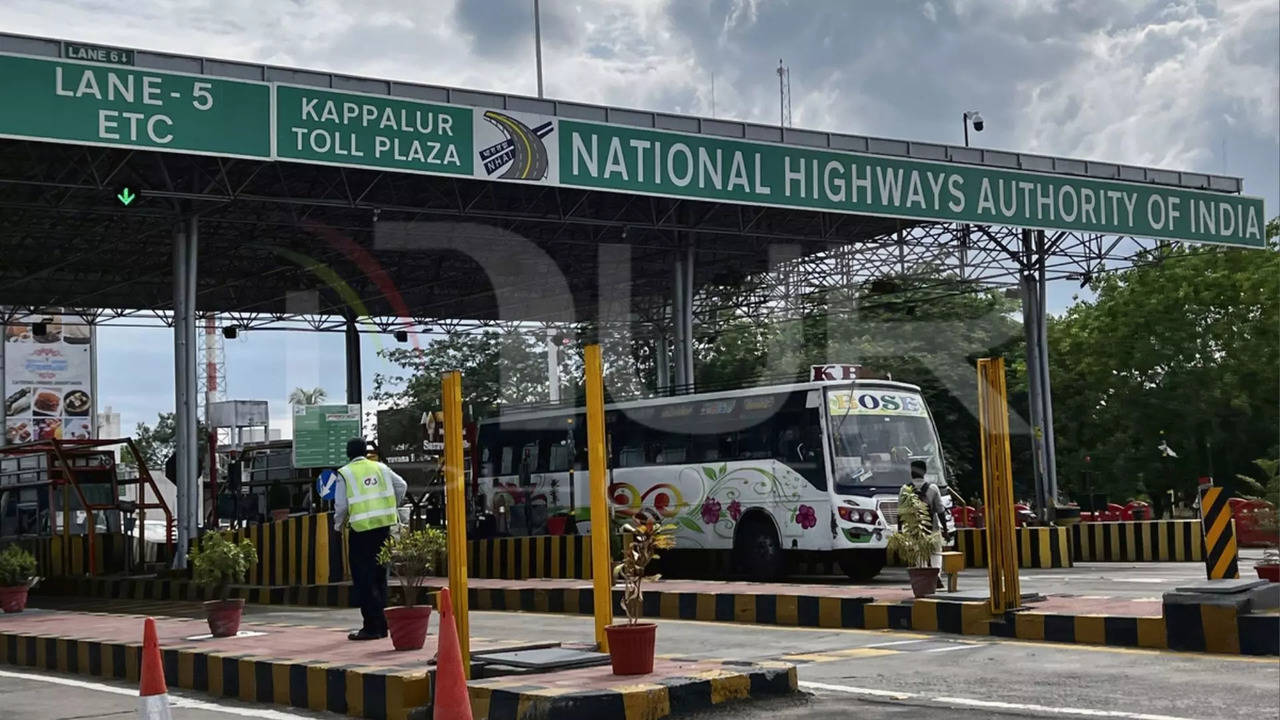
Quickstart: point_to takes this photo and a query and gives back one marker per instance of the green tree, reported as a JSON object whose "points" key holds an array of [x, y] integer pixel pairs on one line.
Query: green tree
{"points": [[497, 367], [155, 445], [314, 396], [925, 332], [1182, 351]]}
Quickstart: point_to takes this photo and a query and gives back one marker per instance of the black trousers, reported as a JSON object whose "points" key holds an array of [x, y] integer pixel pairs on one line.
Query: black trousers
{"points": [[368, 578]]}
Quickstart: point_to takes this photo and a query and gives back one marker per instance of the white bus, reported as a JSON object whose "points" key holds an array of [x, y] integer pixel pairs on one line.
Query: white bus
{"points": [[813, 466]]}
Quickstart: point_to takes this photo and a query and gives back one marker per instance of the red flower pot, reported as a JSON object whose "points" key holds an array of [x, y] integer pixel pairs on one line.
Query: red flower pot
{"points": [[13, 599], [556, 524], [631, 648], [1266, 572], [408, 626], [224, 616], [924, 581]]}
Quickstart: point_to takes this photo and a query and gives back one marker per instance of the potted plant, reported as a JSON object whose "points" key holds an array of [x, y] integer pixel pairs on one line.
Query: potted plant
{"points": [[1264, 516], [216, 564], [631, 645], [916, 542], [412, 556], [17, 568]]}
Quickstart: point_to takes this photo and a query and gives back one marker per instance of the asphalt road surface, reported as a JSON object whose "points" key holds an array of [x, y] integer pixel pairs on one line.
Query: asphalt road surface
{"points": [[31, 695], [865, 674]]}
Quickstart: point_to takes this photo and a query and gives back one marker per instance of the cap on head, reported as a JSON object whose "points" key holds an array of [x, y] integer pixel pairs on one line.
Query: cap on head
{"points": [[356, 448]]}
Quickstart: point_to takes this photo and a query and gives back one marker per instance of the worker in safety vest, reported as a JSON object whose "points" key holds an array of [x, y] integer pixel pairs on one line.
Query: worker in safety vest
{"points": [[367, 497]]}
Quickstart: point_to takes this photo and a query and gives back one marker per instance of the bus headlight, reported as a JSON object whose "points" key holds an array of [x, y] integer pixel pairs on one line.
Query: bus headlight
{"points": [[856, 515]]}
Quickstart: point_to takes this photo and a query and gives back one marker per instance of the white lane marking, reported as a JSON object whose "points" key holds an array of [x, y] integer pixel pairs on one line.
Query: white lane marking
{"points": [[1143, 580], [958, 646], [988, 704], [1047, 710], [897, 642], [856, 691], [174, 701]]}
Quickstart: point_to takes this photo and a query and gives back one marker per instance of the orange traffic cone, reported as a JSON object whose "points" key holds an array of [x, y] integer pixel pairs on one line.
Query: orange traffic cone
{"points": [[154, 694], [452, 702]]}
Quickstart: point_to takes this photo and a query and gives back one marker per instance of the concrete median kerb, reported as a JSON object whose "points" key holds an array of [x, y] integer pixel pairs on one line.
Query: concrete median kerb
{"points": [[677, 686], [1058, 619]]}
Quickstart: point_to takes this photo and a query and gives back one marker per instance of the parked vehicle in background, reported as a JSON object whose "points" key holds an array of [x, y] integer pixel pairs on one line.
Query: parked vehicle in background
{"points": [[812, 466]]}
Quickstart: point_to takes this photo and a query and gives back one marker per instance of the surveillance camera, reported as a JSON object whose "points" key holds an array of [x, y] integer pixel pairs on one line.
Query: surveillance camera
{"points": [[976, 118]]}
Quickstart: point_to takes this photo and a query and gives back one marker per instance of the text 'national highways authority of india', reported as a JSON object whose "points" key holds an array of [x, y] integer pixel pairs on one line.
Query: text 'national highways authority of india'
{"points": [[97, 104]]}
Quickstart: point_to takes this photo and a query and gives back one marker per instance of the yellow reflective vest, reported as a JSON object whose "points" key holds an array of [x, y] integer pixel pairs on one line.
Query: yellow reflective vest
{"points": [[371, 500]]}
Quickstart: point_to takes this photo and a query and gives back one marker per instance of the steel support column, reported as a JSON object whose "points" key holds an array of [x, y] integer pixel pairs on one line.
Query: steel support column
{"points": [[679, 308], [1046, 387], [553, 367], [192, 378], [1029, 287], [354, 390], [688, 314], [662, 362], [186, 460]]}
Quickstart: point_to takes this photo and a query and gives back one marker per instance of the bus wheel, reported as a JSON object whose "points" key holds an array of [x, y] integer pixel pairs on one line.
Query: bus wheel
{"points": [[862, 565], [758, 551]]}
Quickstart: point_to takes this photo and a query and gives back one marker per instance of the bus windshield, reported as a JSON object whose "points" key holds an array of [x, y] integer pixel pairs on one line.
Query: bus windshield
{"points": [[876, 434]]}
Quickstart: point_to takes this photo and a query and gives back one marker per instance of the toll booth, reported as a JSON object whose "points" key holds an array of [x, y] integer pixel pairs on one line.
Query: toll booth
{"points": [[64, 498], [270, 484]]}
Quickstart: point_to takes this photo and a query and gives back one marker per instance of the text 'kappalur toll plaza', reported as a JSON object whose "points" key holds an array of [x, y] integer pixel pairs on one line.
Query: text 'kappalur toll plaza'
{"points": [[222, 197]]}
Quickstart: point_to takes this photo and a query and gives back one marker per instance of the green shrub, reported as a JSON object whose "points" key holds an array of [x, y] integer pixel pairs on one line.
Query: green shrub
{"points": [[217, 563], [917, 541], [412, 556], [17, 566]]}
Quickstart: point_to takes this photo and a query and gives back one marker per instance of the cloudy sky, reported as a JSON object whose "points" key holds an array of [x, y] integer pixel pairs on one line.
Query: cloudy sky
{"points": [[1181, 84]]}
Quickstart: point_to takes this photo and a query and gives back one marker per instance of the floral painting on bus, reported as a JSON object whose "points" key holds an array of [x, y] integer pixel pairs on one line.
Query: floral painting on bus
{"points": [[705, 502]]}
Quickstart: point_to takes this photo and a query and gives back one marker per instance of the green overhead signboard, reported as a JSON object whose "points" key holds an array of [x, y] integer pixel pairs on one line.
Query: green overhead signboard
{"points": [[321, 432], [696, 166], [63, 101], [97, 53], [95, 104], [371, 131]]}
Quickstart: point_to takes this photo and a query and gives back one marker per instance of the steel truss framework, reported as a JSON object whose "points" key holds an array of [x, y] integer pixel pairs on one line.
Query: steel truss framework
{"points": [[293, 246]]}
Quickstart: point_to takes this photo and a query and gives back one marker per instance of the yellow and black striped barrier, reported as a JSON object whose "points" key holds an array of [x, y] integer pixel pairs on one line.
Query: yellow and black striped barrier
{"points": [[1220, 558], [112, 553], [363, 692], [1183, 627], [1037, 547], [523, 698], [1116, 630], [517, 558], [1138, 541]]}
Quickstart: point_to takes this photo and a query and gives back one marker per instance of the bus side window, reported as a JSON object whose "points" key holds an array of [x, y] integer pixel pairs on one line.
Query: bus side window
{"points": [[528, 463]]}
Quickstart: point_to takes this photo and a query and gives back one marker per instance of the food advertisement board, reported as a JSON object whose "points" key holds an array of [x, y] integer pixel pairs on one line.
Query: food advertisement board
{"points": [[48, 378]]}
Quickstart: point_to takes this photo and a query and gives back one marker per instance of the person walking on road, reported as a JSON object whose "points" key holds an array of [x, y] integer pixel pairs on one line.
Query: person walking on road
{"points": [[938, 514], [367, 497]]}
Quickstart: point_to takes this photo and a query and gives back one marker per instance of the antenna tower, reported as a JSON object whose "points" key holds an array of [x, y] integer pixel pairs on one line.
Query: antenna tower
{"points": [[784, 95], [212, 384]]}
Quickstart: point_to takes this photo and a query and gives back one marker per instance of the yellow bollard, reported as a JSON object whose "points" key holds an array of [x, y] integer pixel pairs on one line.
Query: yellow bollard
{"points": [[997, 486], [456, 509], [601, 521]]}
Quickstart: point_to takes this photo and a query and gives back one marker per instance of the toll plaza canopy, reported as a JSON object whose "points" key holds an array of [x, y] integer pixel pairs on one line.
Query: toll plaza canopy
{"points": [[291, 172]]}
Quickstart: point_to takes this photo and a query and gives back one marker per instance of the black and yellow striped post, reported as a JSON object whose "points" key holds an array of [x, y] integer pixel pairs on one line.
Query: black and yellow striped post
{"points": [[1220, 559], [997, 486]]}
